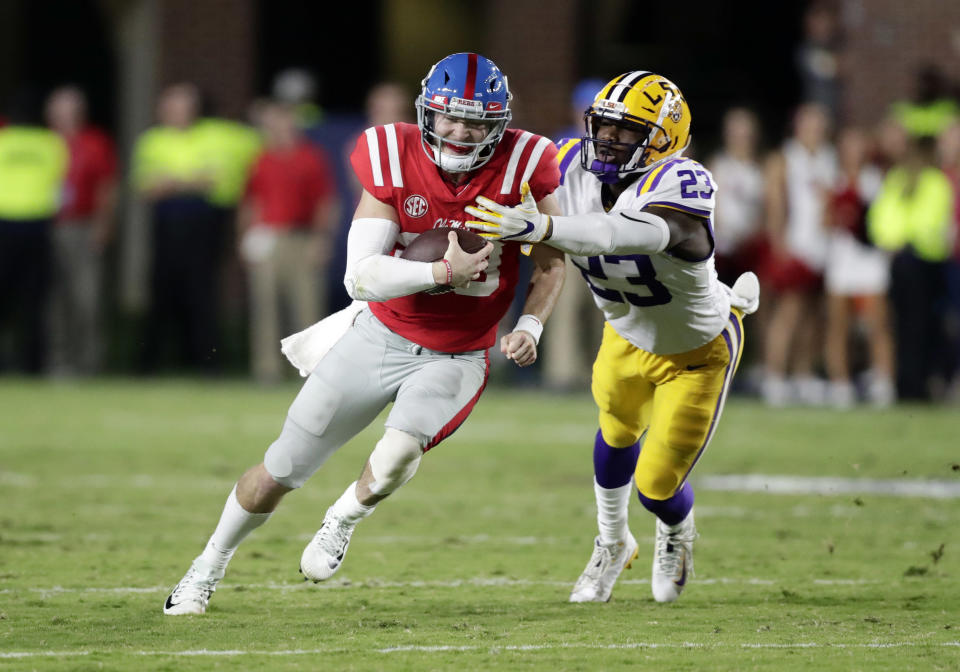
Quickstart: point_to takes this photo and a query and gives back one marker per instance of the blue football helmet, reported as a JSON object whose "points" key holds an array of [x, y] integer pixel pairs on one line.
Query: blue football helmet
{"points": [[464, 86]]}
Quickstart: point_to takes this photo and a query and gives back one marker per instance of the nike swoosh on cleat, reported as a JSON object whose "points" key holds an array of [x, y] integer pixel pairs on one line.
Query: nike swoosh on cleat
{"points": [[529, 229], [683, 574], [168, 604]]}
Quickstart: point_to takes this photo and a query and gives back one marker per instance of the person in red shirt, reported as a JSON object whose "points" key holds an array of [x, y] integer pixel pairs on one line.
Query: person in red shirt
{"points": [[286, 226], [83, 229], [418, 333]]}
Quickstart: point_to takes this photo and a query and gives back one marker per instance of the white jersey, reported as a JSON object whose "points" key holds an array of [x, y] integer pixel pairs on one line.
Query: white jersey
{"points": [[657, 302], [853, 268], [810, 177], [738, 216]]}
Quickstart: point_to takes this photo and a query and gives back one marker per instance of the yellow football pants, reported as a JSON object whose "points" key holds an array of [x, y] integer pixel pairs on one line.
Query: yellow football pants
{"points": [[675, 399]]}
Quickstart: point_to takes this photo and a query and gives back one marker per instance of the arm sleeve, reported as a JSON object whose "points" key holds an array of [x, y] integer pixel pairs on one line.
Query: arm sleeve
{"points": [[372, 274], [620, 232]]}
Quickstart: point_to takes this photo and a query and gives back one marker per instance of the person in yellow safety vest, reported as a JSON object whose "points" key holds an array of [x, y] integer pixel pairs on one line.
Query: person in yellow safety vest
{"points": [[912, 216], [231, 148], [33, 164], [931, 110], [174, 173]]}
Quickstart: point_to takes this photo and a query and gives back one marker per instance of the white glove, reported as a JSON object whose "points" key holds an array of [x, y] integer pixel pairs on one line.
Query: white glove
{"points": [[745, 293], [504, 222]]}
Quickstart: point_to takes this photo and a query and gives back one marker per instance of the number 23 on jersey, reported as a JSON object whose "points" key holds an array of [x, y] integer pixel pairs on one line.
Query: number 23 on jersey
{"points": [[610, 276]]}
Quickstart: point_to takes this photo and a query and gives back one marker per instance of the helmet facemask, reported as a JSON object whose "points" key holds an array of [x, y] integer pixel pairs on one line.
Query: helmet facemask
{"points": [[642, 102], [653, 139], [477, 153]]}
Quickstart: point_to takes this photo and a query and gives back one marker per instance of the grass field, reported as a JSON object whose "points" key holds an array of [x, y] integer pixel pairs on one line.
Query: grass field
{"points": [[109, 490]]}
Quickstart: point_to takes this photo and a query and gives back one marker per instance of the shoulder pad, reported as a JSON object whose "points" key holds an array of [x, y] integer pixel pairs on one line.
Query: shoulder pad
{"points": [[568, 154]]}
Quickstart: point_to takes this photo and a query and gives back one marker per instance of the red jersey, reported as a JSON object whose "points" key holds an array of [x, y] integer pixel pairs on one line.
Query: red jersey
{"points": [[288, 184], [92, 163], [394, 168]]}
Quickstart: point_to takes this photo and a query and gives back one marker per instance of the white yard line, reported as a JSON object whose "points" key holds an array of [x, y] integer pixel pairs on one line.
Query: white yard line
{"points": [[491, 649], [346, 584], [765, 483], [829, 485]]}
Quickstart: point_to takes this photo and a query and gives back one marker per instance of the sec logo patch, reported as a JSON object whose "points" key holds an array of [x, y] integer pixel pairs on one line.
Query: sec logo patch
{"points": [[415, 205]]}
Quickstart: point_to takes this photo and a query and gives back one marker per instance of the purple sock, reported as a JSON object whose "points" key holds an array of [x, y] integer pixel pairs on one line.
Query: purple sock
{"points": [[671, 511], [613, 467]]}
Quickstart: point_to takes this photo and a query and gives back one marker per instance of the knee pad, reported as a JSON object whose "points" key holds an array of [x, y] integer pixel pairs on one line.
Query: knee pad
{"points": [[616, 433], [656, 485], [394, 461], [296, 455]]}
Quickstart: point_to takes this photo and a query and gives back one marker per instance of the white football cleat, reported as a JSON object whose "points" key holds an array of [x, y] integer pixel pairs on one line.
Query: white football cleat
{"points": [[601, 572], [192, 594], [324, 554], [672, 558]]}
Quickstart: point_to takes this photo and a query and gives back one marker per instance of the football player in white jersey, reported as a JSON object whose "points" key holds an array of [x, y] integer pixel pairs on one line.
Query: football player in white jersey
{"points": [[638, 226]]}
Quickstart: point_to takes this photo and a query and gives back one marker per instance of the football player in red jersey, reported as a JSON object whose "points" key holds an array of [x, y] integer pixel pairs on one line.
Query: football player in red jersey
{"points": [[418, 333]]}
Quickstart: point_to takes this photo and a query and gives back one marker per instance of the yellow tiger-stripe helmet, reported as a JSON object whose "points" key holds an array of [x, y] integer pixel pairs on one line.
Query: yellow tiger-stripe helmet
{"points": [[646, 102]]}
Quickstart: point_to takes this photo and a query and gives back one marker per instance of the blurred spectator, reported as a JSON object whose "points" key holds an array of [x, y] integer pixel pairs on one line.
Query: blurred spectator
{"points": [[741, 240], [576, 326], [298, 87], [286, 227], [174, 173], [891, 143], [949, 150], [229, 148], [818, 58], [931, 110], [799, 177], [857, 277], [33, 162], [388, 103], [913, 216], [738, 219], [83, 229]]}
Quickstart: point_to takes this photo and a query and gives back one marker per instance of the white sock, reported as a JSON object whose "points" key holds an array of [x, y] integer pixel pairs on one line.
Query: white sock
{"points": [[612, 507], [348, 507], [235, 524]]}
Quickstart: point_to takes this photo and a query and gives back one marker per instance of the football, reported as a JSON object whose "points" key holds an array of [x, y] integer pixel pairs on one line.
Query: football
{"points": [[432, 245]]}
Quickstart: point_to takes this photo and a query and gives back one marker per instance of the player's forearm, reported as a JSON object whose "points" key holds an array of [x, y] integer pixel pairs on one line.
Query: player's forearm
{"points": [[621, 232], [381, 277], [545, 287], [372, 274]]}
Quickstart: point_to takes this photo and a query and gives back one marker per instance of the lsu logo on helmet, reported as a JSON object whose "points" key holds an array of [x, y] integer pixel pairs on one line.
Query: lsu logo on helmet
{"points": [[647, 103]]}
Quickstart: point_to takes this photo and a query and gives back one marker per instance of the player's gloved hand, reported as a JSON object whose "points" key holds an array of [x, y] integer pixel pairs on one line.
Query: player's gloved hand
{"points": [[745, 293], [522, 222]]}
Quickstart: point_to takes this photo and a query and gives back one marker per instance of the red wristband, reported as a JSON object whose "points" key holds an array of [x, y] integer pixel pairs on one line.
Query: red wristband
{"points": [[449, 272]]}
